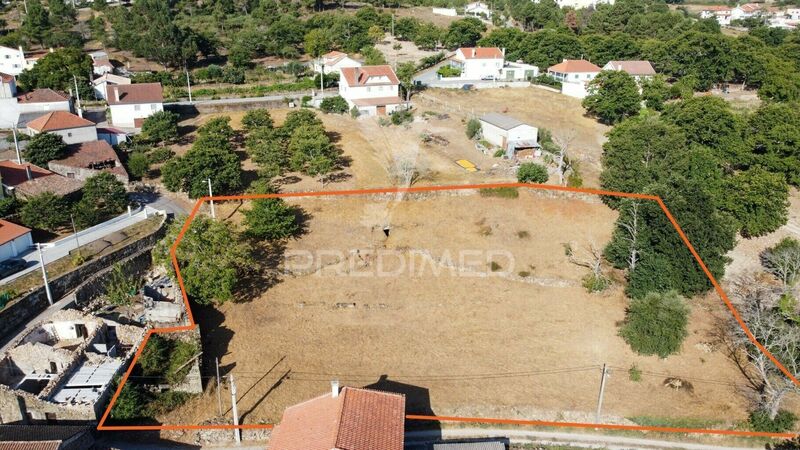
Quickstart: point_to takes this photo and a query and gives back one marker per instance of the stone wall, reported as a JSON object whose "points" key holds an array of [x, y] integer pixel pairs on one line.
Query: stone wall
{"points": [[135, 266], [20, 311]]}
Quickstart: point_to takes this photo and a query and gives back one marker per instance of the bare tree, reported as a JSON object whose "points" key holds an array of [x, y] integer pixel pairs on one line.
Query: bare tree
{"points": [[559, 154], [592, 259], [406, 172], [631, 227], [783, 261], [757, 307]]}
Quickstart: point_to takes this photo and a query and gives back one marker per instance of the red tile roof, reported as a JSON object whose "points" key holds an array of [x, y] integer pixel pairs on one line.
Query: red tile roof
{"points": [[6, 77], [41, 445], [574, 66], [92, 155], [716, 8], [359, 76], [58, 120], [633, 67], [135, 93], [750, 7], [10, 231], [14, 175], [358, 419], [42, 96], [481, 52]]}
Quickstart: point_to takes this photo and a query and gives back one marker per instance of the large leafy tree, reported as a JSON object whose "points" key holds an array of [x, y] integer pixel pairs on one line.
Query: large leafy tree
{"points": [[774, 135], [613, 96], [464, 33], [759, 200], [56, 71], [160, 127], [103, 196], [36, 22], [271, 219], [656, 324], [211, 256], [45, 211], [43, 148]]}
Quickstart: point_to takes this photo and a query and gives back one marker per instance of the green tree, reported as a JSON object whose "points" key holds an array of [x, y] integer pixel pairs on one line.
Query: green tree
{"points": [[655, 92], [129, 404], [257, 118], [464, 33], [120, 288], [104, 196], [317, 43], [709, 121], [372, 56], [267, 149], [300, 118], [211, 256], [138, 164], [45, 211], [155, 356], [473, 128], [271, 219], [759, 200], [160, 127], [532, 173], [36, 23], [56, 70], [774, 136], [656, 324], [613, 96], [337, 105], [405, 73], [308, 142], [428, 36], [43, 148]]}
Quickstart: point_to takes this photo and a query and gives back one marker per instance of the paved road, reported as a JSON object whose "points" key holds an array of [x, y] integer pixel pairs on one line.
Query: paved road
{"points": [[63, 246], [518, 436]]}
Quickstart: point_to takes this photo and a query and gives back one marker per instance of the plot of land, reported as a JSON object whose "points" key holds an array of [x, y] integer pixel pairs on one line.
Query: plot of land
{"points": [[470, 306]]}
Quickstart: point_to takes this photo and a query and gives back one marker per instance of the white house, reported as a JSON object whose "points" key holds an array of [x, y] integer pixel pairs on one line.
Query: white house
{"points": [[39, 101], [14, 239], [639, 70], [130, 104], [373, 90], [745, 11], [574, 75], [581, 4], [333, 62], [71, 128], [722, 14], [478, 9], [479, 63], [12, 60], [518, 71], [793, 13], [100, 84], [100, 63], [508, 133]]}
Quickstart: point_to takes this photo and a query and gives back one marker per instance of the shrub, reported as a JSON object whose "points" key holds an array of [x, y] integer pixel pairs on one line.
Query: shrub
{"points": [[166, 402], [495, 266], [257, 118], [138, 164], [783, 421], [354, 113], [502, 192], [448, 71], [473, 128], [595, 283], [160, 155], [634, 373], [271, 219], [160, 127], [402, 116], [656, 324], [335, 104], [233, 75], [532, 173], [45, 211], [499, 153], [43, 148], [129, 404]]}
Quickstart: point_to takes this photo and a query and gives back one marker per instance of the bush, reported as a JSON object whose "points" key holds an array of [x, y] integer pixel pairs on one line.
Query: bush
{"points": [[257, 118], [532, 173], [138, 164], [473, 128], [402, 116], [635, 373], [448, 71], [656, 324], [335, 104], [160, 155], [233, 75], [499, 153], [271, 219], [783, 421], [502, 192], [45, 211], [595, 283], [43, 148], [160, 127], [354, 113], [547, 80]]}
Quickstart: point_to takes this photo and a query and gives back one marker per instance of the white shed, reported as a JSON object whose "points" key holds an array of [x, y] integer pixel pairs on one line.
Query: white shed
{"points": [[14, 240], [508, 133]]}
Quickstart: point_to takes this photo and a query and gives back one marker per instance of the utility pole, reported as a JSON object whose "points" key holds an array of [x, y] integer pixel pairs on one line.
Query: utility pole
{"points": [[16, 144], [211, 194], [236, 431], [606, 373], [44, 274], [188, 83], [392, 24], [77, 95], [75, 233], [219, 392]]}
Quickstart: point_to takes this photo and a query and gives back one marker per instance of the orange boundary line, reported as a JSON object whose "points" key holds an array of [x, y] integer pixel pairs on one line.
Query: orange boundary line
{"points": [[101, 425]]}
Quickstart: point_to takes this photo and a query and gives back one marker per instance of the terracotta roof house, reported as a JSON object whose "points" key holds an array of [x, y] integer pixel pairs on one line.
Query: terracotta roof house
{"points": [[42, 96], [28, 180], [637, 69], [14, 239], [373, 90], [31, 105], [87, 159], [73, 129], [480, 53], [335, 61], [479, 63], [101, 83], [574, 75], [130, 104], [45, 437], [353, 419]]}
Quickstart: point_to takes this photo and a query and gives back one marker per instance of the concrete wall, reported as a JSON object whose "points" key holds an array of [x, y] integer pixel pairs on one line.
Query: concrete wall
{"points": [[20, 311]]}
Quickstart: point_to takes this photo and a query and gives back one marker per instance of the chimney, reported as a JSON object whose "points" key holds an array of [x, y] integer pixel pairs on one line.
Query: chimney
{"points": [[474, 52], [28, 172], [334, 388], [116, 94], [80, 113], [504, 51]]}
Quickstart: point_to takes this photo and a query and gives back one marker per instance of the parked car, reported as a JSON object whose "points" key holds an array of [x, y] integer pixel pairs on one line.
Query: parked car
{"points": [[11, 266]]}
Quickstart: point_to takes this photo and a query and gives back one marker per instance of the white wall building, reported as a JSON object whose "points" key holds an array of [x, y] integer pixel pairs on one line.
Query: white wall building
{"points": [[101, 84], [478, 9], [334, 61], [374, 90], [132, 103], [508, 133], [19, 110], [12, 60], [14, 240], [574, 75], [71, 128], [581, 4], [639, 70], [479, 63]]}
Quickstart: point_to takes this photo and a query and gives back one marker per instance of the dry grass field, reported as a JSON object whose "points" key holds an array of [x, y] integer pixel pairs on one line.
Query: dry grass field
{"points": [[426, 312]]}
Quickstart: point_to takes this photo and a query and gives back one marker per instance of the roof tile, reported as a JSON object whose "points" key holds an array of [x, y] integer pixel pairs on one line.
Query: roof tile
{"points": [[359, 76], [135, 93], [58, 120]]}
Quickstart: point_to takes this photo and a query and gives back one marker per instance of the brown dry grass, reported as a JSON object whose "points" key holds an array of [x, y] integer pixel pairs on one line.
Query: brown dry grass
{"points": [[494, 346]]}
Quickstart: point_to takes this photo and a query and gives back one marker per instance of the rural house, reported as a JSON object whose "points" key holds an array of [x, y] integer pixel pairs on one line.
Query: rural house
{"points": [[719, 12], [45, 437], [132, 103], [27, 180], [101, 65], [574, 75], [18, 109], [478, 9], [479, 63], [353, 419], [509, 133], [101, 83], [639, 70], [71, 128], [334, 61], [13, 61], [14, 240], [88, 159], [373, 90]]}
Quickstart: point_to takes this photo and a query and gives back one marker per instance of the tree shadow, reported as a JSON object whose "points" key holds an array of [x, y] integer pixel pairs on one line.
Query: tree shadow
{"points": [[271, 389], [288, 179], [216, 338], [418, 402]]}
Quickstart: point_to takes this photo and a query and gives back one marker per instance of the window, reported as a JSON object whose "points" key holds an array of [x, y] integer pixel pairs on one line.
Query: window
{"points": [[369, 89], [69, 134], [576, 76], [137, 107], [8, 56], [70, 175], [153, 107]]}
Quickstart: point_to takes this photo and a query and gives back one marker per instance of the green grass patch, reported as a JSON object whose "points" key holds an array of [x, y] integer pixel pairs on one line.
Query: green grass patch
{"points": [[503, 192], [679, 422]]}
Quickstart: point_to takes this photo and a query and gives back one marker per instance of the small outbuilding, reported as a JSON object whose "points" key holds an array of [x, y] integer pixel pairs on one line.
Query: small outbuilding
{"points": [[14, 239], [508, 133]]}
